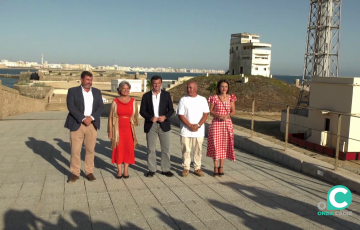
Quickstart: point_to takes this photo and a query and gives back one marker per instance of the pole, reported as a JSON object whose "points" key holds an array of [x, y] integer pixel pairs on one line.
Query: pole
{"points": [[252, 117], [287, 126], [338, 142]]}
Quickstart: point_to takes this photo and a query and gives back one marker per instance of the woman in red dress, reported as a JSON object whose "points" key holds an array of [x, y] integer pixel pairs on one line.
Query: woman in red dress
{"points": [[221, 131], [123, 118]]}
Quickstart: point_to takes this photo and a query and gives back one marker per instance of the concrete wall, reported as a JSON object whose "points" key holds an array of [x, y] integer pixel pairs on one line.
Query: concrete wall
{"points": [[12, 103], [354, 131], [248, 60], [262, 65], [33, 91], [337, 95], [235, 59], [249, 57], [327, 94], [354, 145], [297, 123], [318, 133], [316, 122], [330, 97]]}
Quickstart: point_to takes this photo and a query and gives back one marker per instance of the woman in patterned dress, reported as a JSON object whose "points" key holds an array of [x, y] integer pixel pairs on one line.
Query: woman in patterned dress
{"points": [[123, 118], [221, 131]]}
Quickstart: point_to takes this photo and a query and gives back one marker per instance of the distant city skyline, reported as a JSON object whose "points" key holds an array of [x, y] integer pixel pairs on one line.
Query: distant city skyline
{"points": [[84, 66], [183, 34]]}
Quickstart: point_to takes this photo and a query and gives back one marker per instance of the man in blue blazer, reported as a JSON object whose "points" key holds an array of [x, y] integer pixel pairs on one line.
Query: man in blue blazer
{"points": [[156, 108], [85, 106]]}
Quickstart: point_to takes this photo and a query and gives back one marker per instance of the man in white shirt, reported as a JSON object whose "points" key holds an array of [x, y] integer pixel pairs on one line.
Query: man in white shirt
{"points": [[192, 111], [85, 106]]}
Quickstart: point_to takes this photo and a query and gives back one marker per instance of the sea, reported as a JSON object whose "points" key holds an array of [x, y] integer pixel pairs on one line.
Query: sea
{"points": [[9, 82]]}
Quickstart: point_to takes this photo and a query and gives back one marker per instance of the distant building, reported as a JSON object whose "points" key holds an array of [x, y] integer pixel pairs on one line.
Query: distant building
{"points": [[246, 57], [329, 97], [137, 85]]}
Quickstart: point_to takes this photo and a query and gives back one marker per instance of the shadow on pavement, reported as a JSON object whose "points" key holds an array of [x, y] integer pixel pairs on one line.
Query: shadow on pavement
{"points": [[281, 206], [250, 219], [49, 153], [100, 147], [103, 148], [14, 219]]}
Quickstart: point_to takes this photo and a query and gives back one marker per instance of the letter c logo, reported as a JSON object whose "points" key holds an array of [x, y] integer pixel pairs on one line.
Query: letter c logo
{"points": [[332, 197], [339, 197]]}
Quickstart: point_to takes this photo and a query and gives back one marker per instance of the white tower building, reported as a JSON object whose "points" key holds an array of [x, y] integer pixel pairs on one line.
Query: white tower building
{"points": [[246, 57]]}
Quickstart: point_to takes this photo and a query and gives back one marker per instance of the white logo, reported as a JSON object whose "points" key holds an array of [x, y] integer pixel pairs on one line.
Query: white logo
{"points": [[332, 198]]}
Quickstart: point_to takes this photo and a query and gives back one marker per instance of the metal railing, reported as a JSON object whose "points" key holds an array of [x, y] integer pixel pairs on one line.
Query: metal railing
{"points": [[287, 124]]}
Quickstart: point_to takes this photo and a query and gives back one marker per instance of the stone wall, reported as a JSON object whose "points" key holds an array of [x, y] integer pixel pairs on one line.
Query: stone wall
{"points": [[12, 103], [24, 76], [33, 91], [10, 76]]}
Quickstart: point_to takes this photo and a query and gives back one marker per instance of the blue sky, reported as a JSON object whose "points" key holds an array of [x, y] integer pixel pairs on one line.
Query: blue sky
{"points": [[167, 33]]}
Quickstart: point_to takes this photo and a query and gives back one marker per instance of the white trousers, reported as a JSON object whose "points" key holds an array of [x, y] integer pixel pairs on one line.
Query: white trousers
{"points": [[194, 144]]}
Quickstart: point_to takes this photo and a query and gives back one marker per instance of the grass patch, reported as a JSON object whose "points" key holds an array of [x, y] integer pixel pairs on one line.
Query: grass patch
{"points": [[39, 84], [24, 82], [268, 92]]}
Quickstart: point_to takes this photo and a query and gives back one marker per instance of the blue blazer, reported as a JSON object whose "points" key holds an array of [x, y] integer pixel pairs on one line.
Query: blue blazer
{"points": [[76, 107]]}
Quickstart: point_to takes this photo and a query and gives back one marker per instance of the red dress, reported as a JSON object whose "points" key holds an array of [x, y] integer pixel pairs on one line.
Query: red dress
{"points": [[221, 133], [124, 151]]}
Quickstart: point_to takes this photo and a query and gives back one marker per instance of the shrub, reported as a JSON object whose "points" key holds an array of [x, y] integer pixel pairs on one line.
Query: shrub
{"points": [[39, 84], [148, 85], [212, 87], [24, 82]]}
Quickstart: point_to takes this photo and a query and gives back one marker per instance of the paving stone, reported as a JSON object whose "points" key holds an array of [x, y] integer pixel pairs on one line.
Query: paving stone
{"points": [[245, 224], [76, 220], [253, 194], [325, 223], [216, 224], [133, 223], [108, 220]]}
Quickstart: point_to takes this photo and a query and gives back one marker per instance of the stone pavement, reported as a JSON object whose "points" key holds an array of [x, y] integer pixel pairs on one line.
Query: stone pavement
{"points": [[253, 194]]}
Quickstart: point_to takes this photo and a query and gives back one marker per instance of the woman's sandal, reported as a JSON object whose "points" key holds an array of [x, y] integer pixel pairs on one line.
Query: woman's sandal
{"points": [[119, 177], [220, 174], [215, 174]]}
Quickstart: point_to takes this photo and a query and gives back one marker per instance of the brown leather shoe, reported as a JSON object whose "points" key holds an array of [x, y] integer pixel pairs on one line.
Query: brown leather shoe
{"points": [[198, 172], [185, 173], [90, 177], [73, 178]]}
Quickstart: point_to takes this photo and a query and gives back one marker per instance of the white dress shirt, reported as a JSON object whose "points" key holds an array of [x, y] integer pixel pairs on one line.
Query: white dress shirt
{"points": [[88, 102], [156, 103]]}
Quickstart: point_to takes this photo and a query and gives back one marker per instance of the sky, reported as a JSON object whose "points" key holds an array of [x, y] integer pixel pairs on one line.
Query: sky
{"points": [[165, 33]]}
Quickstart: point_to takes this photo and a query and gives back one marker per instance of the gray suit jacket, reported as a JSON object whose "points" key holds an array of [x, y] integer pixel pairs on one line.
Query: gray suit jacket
{"points": [[76, 107]]}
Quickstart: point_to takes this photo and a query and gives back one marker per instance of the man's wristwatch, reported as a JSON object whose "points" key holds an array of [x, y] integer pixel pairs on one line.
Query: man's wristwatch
{"points": [[199, 125]]}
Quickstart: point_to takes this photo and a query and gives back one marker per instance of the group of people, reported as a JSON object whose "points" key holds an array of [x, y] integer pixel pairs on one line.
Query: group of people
{"points": [[85, 106]]}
